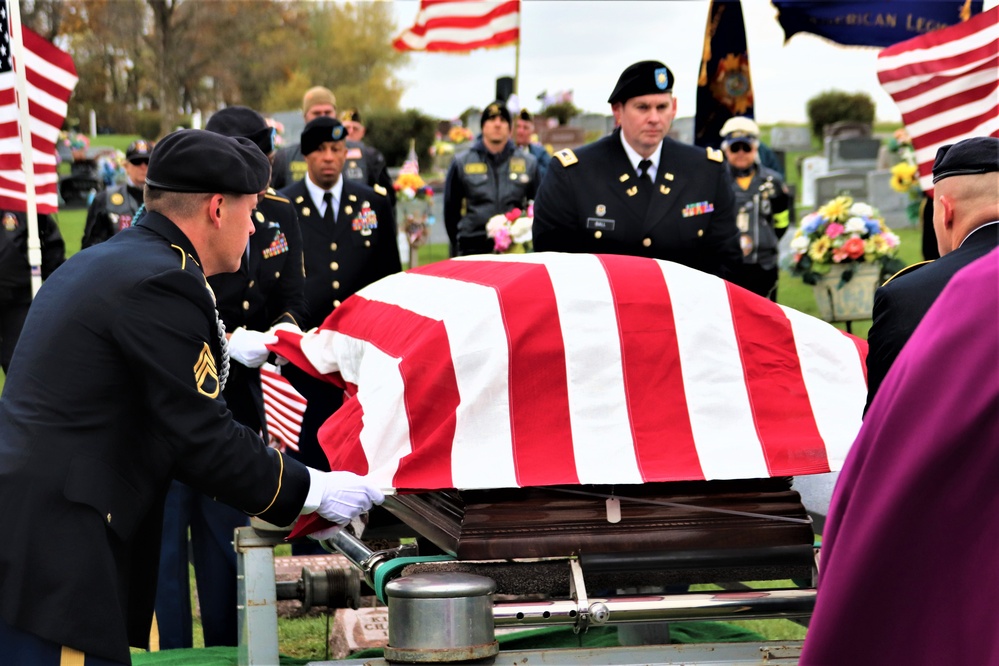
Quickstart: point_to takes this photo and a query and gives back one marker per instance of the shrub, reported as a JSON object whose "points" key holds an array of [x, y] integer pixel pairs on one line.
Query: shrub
{"points": [[392, 131], [835, 106]]}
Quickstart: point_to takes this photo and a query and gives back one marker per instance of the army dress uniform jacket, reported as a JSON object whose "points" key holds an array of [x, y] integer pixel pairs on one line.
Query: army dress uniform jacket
{"points": [[267, 289], [589, 202], [902, 302], [15, 271], [360, 248], [111, 211], [114, 390], [479, 185]]}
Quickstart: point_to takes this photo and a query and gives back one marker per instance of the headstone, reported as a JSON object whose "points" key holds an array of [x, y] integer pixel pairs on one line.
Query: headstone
{"points": [[857, 154], [682, 130], [791, 139], [561, 137], [359, 629], [892, 205], [836, 183], [811, 168]]}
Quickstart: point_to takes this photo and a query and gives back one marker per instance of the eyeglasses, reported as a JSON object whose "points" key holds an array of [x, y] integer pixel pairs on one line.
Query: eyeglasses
{"points": [[139, 162], [741, 147]]}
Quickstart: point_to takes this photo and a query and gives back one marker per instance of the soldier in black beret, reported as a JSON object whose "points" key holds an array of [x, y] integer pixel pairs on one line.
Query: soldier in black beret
{"points": [[966, 221], [265, 291], [639, 192], [114, 209], [115, 388], [349, 241], [490, 178]]}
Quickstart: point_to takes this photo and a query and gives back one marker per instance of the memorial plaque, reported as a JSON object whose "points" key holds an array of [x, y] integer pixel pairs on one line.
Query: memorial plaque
{"points": [[561, 137], [791, 139], [844, 182]]}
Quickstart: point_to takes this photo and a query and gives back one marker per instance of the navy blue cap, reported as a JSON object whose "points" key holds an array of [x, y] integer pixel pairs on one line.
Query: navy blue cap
{"points": [[496, 110], [319, 131], [194, 160], [964, 158], [649, 77]]}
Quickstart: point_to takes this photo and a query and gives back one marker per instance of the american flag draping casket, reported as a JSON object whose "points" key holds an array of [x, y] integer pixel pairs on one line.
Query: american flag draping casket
{"points": [[505, 371]]}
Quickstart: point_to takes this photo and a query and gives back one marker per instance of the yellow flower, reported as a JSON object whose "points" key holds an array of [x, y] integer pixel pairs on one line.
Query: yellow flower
{"points": [[903, 176], [837, 210], [819, 249]]}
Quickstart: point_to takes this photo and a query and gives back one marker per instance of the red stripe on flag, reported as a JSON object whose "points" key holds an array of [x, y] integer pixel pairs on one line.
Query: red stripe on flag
{"points": [[465, 22], [539, 401], [657, 401], [778, 398], [433, 22], [430, 388]]}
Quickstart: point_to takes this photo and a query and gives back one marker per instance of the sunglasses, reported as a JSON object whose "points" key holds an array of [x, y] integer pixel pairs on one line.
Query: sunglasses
{"points": [[741, 147], [139, 162]]}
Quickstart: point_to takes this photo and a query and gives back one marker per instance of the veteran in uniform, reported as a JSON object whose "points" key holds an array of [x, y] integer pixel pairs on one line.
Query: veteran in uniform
{"points": [[762, 203], [638, 192], [490, 178], [265, 291], [115, 389], [349, 240], [114, 208], [966, 222]]}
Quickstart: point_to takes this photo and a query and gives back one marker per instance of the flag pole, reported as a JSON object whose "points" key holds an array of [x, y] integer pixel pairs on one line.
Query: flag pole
{"points": [[516, 65], [27, 159]]}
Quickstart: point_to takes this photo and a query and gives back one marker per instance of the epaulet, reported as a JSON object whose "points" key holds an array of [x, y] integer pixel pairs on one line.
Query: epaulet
{"points": [[908, 269], [271, 194], [715, 155], [380, 189], [566, 157]]}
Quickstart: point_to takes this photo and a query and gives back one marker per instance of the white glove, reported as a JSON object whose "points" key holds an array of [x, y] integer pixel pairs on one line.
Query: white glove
{"points": [[340, 496], [250, 347]]}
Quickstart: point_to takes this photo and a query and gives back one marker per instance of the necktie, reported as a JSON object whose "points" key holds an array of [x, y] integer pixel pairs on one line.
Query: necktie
{"points": [[643, 170], [330, 215], [644, 183]]}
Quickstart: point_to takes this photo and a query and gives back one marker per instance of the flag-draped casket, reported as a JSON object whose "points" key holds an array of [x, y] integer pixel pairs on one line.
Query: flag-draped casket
{"points": [[505, 371]]}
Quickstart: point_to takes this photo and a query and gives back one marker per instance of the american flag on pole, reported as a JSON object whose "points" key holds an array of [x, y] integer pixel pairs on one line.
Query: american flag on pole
{"points": [[946, 84], [500, 371], [460, 26], [51, 79], [284, 407]]}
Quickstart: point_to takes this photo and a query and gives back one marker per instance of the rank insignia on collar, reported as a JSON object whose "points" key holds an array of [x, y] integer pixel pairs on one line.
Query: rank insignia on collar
{"points": [[668, 176], [632, 191], [623, 177], [663, 189], [9, 221], [206, 376]]}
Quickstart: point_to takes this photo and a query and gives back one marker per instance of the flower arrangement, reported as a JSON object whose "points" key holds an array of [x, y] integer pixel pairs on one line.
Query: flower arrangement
{"points": [[459, 134], [410, 186], [842, 232], [511, 231], [905, 175]]}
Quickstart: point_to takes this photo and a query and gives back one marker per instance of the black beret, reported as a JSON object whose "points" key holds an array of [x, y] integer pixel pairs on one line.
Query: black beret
{"points": [[139, 150], [649, 77], [194, 160], [494, 110], [964, 158], [245, 122], [319, 131]]}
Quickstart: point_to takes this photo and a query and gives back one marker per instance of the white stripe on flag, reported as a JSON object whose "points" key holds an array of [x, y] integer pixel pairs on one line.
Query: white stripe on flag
{"points": [[833, 375], [385, 425], [713, 378], [480, 353]]}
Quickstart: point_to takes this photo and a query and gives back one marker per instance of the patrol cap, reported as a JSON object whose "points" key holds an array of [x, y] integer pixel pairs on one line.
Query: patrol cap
{"points": [[316, 96], [245, 122], [649, 77], [965, 158], [194, 160], [494, 110], [138, 150], [351, 116], [320, 130], [740, 127]]}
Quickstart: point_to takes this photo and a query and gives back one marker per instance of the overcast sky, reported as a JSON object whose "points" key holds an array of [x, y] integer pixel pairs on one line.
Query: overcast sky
{"points": [[584, 46]]}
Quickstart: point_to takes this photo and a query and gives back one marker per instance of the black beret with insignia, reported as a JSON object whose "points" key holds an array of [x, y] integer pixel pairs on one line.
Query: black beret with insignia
{"points": [[964, 158], [649, 77], [496, 110], [245, 122], [319, 131], [194, 160]]}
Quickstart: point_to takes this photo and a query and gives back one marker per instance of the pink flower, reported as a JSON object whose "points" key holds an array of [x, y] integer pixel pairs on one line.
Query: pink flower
{"points": [[501, 240], [854, 248], [834, 230], [513, 214]]}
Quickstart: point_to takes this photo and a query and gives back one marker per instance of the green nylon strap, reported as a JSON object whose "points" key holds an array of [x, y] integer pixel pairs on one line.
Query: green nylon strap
{"points": [[390, 569]]}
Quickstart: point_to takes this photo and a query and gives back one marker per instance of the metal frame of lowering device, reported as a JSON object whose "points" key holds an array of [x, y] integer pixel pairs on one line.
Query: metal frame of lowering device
{"points": [[436, 611]]}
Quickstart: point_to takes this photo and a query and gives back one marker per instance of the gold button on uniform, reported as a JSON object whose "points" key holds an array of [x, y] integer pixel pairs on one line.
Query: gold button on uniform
{"points": [[277, 274], [251, 284], [367, 243], [246, 305], [109, 517], [336, 284], [334, 266], [333, 246], [336, 304], [647, 242], [700, 232], [598, 234]]}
